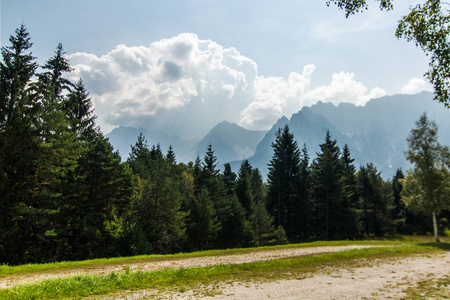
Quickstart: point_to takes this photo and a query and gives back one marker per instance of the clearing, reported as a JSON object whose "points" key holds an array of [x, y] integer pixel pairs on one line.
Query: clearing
{"points": [[390, 276]]}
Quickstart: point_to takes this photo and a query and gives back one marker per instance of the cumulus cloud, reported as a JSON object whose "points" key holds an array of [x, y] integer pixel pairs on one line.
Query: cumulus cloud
{"points": [[416, 85], [185, 86], [343, 88]]}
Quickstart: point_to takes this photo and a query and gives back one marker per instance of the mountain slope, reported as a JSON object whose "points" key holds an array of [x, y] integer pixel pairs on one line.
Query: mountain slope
{"points": [[230, 142], [123, 137], [375, 132]]}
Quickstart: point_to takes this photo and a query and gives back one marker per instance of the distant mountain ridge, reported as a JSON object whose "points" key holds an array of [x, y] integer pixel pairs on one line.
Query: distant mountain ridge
{"points": [[375, 133], [123, 137], [230, 142]]}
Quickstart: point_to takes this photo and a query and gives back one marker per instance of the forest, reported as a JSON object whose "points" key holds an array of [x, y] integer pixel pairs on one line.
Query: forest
{"points": [[66, 194]]}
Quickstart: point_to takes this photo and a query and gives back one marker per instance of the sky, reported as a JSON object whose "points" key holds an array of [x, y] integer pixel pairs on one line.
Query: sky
{"points": [[182, 67]]}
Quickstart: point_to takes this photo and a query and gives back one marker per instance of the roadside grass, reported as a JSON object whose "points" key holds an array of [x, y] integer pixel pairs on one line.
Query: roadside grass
{"points": [[116, 282], [430, 289], [6, 270]]}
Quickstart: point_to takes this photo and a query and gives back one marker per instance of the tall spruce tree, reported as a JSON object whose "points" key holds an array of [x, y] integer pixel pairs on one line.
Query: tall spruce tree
{"points": [[19, 109], [210, 162], [259, 188], [334, 219], [203, 225], [229, 179], [79, 109], [243, 187], [349, 176], [304, 228], [283, 179], [159, 206], [375, 201], [399, 209]]}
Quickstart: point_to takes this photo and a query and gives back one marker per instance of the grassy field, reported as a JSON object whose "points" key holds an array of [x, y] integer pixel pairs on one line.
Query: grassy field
{"points": [[114, 282]]}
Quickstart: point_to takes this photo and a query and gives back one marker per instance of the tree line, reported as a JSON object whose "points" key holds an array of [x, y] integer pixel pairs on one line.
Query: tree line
{"points": [[66, 195]]}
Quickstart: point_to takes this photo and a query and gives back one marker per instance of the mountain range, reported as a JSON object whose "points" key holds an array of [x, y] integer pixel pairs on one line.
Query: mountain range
{"points": [[230, 142], [375, 133]]}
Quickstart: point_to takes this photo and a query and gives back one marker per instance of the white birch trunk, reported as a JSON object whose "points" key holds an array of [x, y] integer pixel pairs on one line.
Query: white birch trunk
{"points": [[435, 228]]}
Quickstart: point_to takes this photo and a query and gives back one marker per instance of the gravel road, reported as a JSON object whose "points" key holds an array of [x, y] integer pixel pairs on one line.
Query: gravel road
{"points": [[384, 279], [180, 262]]}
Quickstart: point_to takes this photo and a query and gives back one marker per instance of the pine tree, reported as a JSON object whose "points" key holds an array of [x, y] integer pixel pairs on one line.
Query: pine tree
{"points": [[170, 156], [262, 225], [209, 177], [236, 230], [283, 180], [259, 188], [399, 209], [203, 226], [229, 179], [19, 109], [210, 162], [304, 206], [349, 176], [159, 206], [243, 187], [57, 155], [100, 197], [139, 157], [334, 219], [52, 81], [375, 201], [78, 107]]}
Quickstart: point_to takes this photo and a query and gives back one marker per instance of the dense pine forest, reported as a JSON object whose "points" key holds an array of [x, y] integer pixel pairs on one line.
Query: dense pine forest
{"points": [[66, 195]]}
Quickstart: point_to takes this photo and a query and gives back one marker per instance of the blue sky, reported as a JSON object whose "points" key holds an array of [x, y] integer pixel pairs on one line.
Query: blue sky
{"points": [[184, 66]]}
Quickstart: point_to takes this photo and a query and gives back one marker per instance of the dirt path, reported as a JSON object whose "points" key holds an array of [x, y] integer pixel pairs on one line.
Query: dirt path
{"points": [[384, 280], [190, 262]]}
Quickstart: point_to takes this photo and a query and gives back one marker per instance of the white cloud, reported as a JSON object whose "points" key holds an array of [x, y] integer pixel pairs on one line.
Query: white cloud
{"points": [[276, 96], [416, 85], [185, 85], [343, 88]]}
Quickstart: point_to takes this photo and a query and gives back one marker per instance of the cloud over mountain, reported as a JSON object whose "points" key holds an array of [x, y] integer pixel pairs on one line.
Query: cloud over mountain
{"points": [[185, 85]]}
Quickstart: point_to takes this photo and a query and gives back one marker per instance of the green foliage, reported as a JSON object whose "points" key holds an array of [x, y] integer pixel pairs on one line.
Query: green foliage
{"points": [[426, 186], [159, 207], [133, 241], [65, 194], [19, 109], [210, 162], [334, 218], [355, 6], [262, 226], [243, 187], [428, 26], [283, 179], [229, 179], [203, 226], [280, 236], [375, 201]]}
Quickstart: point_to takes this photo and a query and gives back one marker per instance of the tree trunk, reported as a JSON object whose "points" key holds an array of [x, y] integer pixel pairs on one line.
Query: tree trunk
{"points": [[435, 227]]}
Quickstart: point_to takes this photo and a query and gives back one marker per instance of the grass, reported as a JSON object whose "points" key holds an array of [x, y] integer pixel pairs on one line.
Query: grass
{"points": [[90, 285], [69, 265], [430, 289]]}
